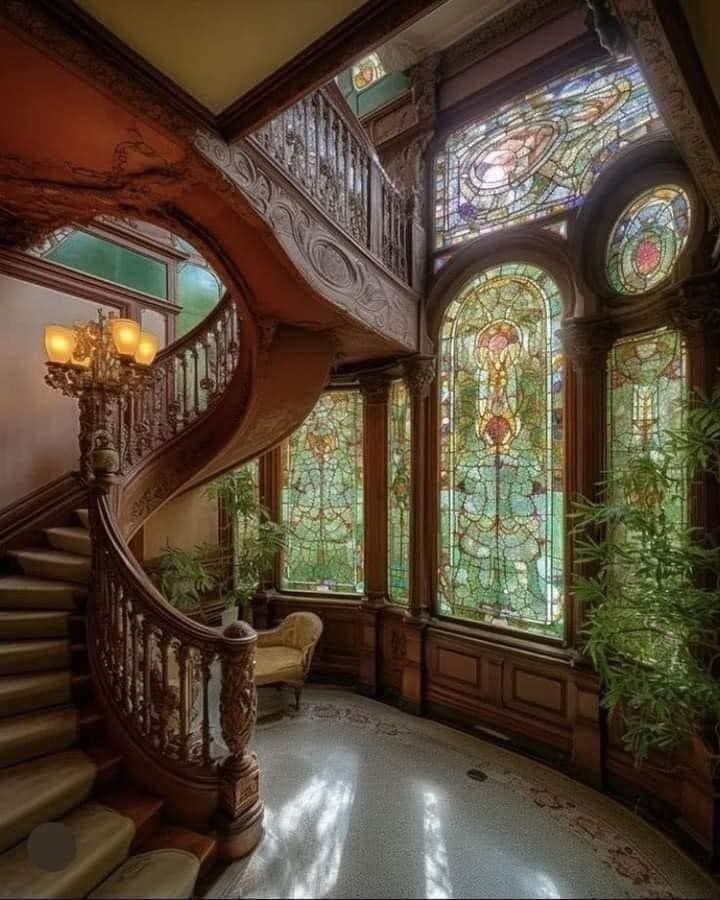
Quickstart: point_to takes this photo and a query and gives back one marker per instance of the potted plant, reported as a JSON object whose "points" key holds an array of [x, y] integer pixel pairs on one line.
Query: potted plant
{"points": [[253, 542], [653, 595], [182, 577]]}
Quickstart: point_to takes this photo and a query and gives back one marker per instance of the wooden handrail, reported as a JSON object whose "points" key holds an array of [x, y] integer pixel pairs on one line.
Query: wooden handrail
{"points": [[316, 143], [181, 696]]}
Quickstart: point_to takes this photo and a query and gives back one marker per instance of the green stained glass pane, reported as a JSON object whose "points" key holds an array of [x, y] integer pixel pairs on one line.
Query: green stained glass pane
{"points": [[647, 386], [322, 498], [501, 452], [198, 292], [399, 493], [538, 155], [114, 262], [647, 239]]}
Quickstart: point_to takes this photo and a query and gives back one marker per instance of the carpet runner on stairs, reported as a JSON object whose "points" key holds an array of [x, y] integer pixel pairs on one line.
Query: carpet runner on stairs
{"points": [[55, 765]]}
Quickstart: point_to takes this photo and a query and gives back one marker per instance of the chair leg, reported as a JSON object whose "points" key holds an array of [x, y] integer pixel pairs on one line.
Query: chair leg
{"points": [[298, 692]]}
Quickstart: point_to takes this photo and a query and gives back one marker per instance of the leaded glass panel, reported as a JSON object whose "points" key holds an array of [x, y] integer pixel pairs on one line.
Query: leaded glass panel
{"points": [[367, 72], [647, 386], [322, 498], [647, 239], [399, 449], [501, 452], [538, 155]]}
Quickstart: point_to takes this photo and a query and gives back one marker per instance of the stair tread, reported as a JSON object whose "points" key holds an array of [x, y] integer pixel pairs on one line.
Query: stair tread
{"points": [[18, 657], [31, 592], [70, 539], [50, 554], [102, 841], [202, 846], [84, 516], [78, 530], [33, 623], [37, 733], [167, 872], [43, 789], [47, 562], [35, 690]]}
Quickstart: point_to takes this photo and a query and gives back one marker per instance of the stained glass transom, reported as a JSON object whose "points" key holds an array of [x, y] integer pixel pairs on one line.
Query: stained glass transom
{"points": [[322, 498], [647, 381], [647, 239], [501, 452], [539, 155], [367, 72], [399, 493]]}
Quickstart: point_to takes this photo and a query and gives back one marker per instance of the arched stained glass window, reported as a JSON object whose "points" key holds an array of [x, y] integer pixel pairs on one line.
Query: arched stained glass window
{"points": [[501, 451], [647, 239], [367, 72], [399, 493], [647, 380], [538, 155], [322, 498]]}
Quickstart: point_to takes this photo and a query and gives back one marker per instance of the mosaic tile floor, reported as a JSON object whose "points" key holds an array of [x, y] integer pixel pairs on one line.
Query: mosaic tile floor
{"points": [[365, 801]]}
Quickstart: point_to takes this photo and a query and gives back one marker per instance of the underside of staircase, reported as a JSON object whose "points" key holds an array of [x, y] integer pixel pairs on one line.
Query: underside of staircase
{"points": [[56, 764]]}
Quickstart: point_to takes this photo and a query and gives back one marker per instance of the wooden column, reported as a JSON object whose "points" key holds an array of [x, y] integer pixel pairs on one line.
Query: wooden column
{"points": [[375, 390], [270, 491], [420, 377], [586, 343]]}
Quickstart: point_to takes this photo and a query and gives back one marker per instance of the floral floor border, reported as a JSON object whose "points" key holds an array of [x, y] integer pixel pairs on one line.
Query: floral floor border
{"points": [[637, 853]]}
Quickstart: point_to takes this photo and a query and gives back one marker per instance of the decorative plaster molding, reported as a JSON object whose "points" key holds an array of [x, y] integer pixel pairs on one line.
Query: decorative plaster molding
{"points": [[671, 91], [332, 264]]}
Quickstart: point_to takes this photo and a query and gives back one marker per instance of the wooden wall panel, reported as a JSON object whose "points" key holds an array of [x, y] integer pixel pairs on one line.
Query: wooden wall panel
{"points": [[393, 649]]}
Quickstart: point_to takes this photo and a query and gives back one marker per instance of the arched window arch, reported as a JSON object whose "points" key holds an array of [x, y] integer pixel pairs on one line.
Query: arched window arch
{"points": [[501, 451]]}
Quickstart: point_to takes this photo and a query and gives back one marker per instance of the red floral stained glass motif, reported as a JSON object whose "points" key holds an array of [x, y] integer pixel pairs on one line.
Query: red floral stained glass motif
{"points": [[647, 239], [501, 452], [538, 155]]}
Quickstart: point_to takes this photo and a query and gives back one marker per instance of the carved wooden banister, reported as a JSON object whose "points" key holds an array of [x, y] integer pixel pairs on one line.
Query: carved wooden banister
{"points": [[318, 146], [160, 675]]}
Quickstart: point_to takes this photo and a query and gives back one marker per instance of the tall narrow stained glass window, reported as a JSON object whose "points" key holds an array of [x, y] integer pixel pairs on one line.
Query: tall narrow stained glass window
{"points": [[399, 450], [501, 451], [322, 498], [647, 239], [647, 384], [540, 154]]}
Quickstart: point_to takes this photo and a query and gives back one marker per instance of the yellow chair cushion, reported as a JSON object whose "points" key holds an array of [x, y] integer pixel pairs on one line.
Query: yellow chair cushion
{"points": [[273, 664]]}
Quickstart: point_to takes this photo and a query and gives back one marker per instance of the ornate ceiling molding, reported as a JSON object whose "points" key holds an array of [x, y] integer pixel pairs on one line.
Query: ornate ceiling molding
{"points": [[680, 101], [337, 268]]}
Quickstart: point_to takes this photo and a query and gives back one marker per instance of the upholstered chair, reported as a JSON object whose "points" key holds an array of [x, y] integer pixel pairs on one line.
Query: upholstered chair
{"points": [[284, 654]]}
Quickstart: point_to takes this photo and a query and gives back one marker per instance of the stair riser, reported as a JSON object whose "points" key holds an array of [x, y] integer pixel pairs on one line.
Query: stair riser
{"points": [[45, 662], [59, 693], [71, 544], [59, 571], [35, 630], [83, 517], [32, 745], [65, 601]]}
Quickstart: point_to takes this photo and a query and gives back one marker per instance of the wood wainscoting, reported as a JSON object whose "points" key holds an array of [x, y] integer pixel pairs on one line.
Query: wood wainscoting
{"points": [[537, 698]]}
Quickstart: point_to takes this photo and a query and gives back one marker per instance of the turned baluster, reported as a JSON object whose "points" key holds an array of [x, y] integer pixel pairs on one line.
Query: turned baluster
{"points": [[125, 651], [240, 817], [185, 404], [206, 663], [182, 652], [146, 670], [196, 380], [316, 101], [163, 693], [134, 663]]}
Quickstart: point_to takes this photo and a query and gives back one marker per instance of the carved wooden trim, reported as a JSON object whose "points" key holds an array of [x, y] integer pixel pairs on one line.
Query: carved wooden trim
{"points": [[661, 42], [41, 507], [338, 268]]}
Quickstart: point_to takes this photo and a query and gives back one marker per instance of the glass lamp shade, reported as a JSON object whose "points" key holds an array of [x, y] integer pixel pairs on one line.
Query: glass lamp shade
{"points": [[126, 335], [147, 348], [59, 343]]}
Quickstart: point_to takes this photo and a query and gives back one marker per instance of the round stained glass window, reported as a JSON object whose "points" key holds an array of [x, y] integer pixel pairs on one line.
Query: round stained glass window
{"points": [[647, 239]]}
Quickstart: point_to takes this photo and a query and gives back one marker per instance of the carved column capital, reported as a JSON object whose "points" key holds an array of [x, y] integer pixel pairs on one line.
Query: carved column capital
{"points": [[420, 374], [375, 387], [587, 341]]}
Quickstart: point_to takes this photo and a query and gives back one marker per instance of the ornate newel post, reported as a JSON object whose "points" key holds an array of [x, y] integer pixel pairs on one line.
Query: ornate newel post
{"points": [[375, 390], [240, 815], [586, 343], [420, 377]]}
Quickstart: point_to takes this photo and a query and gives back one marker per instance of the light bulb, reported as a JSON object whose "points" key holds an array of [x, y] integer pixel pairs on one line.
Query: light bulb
{"points": [[147, 348], [59, 343], [126, 335]]}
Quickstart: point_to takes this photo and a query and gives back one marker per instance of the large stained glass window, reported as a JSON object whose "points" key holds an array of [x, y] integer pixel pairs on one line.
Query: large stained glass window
{"points": [[501, 442], [322, 498], [538, 155], [647, 387], [399, 493], [647, 239]]}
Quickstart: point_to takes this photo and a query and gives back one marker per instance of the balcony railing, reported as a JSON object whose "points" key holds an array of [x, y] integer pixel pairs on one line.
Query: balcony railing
{"points": [[325, 153]]}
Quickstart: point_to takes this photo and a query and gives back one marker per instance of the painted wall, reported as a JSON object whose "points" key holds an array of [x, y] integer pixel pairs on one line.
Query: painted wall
{"points": [[184, 522], [38, 426]]}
